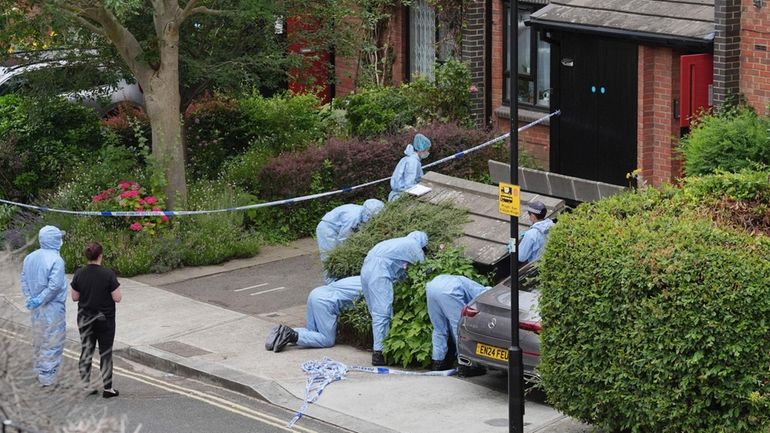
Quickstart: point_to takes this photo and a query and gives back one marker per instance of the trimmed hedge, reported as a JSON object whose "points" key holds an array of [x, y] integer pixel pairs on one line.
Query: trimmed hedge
{"points": [[656, 310], [730, 140]]}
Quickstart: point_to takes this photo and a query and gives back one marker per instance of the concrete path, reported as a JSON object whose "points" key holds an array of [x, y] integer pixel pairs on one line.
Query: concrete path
{"points": [[182, 335]]}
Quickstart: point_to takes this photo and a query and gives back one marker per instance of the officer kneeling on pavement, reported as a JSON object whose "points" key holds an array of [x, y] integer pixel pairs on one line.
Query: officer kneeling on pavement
{"points": [[324, 305]]}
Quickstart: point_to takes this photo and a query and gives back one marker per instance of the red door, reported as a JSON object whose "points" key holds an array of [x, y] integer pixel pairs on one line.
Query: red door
{"points": [[696, 76], [314, 76]]}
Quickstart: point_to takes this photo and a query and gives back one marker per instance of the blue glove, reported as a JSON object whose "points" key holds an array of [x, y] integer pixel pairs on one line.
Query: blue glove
{"points": [[32, 303]]}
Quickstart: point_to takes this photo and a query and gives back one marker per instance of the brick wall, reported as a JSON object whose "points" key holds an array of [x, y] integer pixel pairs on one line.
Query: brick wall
{"points": [[346, 68], [535, 140], [754, 54], [473, 40], [727, 44], [656, 128]]}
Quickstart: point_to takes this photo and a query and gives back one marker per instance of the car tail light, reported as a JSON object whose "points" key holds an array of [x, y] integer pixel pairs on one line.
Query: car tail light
{"points": [[469, 311], [535, 327]]}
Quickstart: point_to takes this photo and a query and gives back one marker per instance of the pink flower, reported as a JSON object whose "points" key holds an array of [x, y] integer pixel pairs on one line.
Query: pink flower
{"points": [[473, 89], [96, 198], [156, 209], [110, 190], [124, 185], [129, 194], [164, 218], [135, 227], [150, 200], [141, 201]]}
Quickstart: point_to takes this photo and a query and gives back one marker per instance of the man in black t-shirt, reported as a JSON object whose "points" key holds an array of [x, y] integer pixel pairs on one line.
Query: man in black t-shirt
{"points": [[96, 289]]}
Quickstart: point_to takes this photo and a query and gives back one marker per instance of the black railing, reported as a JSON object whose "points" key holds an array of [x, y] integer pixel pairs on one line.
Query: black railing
{"points": [[9, 426]]}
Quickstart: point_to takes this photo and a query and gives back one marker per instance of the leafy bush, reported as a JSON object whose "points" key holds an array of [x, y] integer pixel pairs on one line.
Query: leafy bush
{"points": [[655, 317], [40, 141], [409, 340], [187, 241], [442, 223], [267, 119], [215, 130], [730, 140], [376, 110], [130, 127], [357, 161]]}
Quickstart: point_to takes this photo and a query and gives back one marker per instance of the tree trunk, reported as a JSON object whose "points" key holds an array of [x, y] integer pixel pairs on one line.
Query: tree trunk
{"points": [[162, 100], [162, 103]]}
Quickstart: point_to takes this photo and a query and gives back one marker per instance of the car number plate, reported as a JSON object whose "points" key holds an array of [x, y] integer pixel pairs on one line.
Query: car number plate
{"points": [[493, 352]]}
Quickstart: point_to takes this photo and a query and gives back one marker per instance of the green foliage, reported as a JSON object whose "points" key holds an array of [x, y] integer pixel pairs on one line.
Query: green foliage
{"points": [[285, 223], [215, 130], [443, 224], [6, 216], [41, 140], [267, 119], [730, 140], [188, 241], [655, 314], [409, 338], [377, 110]]}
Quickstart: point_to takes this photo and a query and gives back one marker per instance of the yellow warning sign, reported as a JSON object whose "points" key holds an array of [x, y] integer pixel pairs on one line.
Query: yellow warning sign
{"points": [[509, 199]]}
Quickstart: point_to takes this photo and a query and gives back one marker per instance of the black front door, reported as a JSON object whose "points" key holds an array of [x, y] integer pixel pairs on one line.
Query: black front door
{"points": [[595, 86]]}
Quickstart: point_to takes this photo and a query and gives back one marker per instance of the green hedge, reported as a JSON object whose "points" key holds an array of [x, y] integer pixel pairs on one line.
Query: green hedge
{"points": [[729, 140], [656, 311]]}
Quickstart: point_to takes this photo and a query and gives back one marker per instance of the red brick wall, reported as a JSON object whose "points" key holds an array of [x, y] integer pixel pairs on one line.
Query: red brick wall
{"points": [[658, 85], [755, 57], [346, 68], [535, 140]]}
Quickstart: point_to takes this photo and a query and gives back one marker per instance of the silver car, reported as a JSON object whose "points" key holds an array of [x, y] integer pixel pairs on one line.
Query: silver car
{"points": [[95, 89], [484, 333]]}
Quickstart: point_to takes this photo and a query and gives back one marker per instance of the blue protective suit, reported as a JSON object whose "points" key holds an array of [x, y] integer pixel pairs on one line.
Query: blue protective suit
{"points": [[44, 286], [383, 265], [447, 295], [324, 305], [408, 171], [532, 242], [340, 222]]}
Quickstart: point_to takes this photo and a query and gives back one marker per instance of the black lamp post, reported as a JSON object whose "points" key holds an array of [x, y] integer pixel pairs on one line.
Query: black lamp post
{"points": [[515, 369]]}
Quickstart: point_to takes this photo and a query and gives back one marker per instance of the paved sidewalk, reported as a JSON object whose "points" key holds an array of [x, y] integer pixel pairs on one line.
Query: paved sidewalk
{"points": [[182, 335]]}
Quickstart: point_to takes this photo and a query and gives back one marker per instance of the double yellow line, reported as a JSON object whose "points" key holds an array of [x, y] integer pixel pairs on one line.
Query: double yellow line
{"points": [[209, 399]]}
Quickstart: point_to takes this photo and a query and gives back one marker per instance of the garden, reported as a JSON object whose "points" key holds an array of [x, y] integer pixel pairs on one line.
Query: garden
{"points": [[239, 150]]}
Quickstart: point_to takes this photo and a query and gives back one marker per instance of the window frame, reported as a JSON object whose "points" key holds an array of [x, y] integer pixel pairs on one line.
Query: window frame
{"points": [[533, 55]]}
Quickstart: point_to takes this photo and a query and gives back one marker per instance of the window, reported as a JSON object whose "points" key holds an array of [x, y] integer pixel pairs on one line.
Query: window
{"points": [[422, 39], [534, 74]]}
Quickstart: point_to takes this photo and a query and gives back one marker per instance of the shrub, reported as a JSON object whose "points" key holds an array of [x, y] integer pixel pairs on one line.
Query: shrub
{"points": [[729, 140], [442, 223], [215, 130], [409, 340], [130, 127], [267, 119], [376, 110], [357, 161], [187, 241], [655, 317], [40, 141]]}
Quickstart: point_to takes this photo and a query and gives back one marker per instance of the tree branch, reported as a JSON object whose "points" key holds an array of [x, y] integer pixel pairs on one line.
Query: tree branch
{"points": [[206, 11], [88, 24], [188, 9]]}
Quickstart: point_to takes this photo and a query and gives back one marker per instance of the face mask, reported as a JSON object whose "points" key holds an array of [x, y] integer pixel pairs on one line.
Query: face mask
{"points": [[424, 155]]}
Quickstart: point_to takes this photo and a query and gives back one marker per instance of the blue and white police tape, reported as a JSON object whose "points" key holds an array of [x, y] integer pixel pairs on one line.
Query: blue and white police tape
{"points": [[393, 371], [320, 374], [283, 202], [326, 371]]}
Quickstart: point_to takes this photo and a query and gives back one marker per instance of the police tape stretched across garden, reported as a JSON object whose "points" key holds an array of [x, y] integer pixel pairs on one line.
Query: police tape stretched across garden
{"points": [[283, 202]]}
